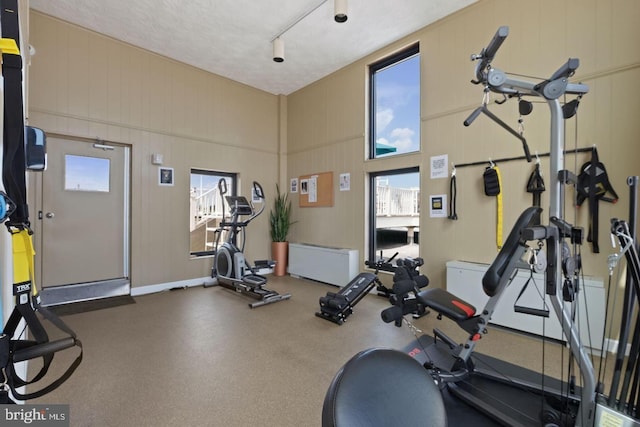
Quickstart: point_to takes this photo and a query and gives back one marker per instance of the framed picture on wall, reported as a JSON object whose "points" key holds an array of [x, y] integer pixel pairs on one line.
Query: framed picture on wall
{"points": [[165, 176], [345, 181]]}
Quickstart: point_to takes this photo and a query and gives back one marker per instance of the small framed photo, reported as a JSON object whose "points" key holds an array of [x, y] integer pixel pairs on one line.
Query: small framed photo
{"points": [[165, 176], [345, 181], [294, 185], [438, 206]]}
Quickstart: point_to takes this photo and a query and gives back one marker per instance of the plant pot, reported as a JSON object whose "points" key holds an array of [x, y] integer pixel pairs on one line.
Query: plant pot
{"points": [[280, 254]]}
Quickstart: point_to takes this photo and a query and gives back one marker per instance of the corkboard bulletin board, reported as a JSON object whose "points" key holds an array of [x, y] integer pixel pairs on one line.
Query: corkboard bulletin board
{"points": [[316, 190]]}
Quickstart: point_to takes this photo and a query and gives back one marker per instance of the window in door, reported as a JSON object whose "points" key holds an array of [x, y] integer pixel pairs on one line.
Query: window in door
{"points": [[84, 173], [394, 213], [205, 209]]}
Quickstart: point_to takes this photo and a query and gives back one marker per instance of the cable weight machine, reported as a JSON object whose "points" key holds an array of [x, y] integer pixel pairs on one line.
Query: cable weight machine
{"points": [[623, 402], [455, 366], [558, 230], [459, 371]]}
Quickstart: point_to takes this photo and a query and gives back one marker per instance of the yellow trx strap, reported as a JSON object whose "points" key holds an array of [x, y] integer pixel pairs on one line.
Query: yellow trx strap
{"points": [[498, 210], [38, 345], [23, 254]]}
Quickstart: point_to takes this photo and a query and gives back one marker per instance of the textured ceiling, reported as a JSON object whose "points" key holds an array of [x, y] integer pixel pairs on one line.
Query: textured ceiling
{"points": [[232, 38]]}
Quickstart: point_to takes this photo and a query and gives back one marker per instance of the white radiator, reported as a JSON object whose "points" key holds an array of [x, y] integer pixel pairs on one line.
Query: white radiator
{"points": [[329, 265], [464, 280]]}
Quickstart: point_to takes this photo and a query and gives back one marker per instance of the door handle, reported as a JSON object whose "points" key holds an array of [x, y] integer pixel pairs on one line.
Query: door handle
{"points": [[49, 215]]}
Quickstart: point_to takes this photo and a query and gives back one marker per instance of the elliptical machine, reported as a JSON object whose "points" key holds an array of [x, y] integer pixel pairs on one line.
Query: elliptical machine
{"points": [[230, 268]]}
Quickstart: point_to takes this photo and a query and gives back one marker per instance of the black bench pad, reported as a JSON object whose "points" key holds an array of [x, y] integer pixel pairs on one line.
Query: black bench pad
{"points": [[446, 303]]}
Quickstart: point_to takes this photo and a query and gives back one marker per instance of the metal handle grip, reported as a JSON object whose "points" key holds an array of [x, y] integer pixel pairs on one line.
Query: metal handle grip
{"points": [[40, 350]]}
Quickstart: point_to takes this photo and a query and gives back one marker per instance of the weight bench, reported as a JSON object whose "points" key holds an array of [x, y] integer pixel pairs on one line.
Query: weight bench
{"points": [[494, 282]]}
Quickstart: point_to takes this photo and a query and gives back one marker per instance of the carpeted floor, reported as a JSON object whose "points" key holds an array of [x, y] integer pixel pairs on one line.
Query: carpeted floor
{"points": [[202, 357]]}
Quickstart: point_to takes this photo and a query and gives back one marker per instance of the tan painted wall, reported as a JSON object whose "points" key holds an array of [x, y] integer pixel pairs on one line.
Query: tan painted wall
{"points": [[327, 123], [88, 85]]}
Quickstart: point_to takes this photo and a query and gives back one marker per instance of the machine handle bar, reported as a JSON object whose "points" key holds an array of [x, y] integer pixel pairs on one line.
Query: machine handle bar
{"points": [[44, 349], [488, 53]]}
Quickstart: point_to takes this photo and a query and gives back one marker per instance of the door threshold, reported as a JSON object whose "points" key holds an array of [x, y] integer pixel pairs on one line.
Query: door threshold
{"points": [[58, 295]]}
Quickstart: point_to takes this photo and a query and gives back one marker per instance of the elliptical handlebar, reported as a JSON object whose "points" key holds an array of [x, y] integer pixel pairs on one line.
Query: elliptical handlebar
{"points": [[222, 189], [222, 186], [234, 222], [257, 188], [259, 192]]}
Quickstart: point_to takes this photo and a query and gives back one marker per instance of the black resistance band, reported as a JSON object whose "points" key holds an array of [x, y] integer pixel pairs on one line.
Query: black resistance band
{"points": [[453, 192]]}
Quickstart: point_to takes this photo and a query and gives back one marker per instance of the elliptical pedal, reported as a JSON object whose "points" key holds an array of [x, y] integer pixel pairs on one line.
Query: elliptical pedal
{"points": [[254, 280], [270, 299]]}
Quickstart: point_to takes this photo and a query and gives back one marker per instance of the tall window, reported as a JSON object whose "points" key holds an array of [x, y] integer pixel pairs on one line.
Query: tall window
{"points": [[394, 213], [395, 104], [205, 208]]}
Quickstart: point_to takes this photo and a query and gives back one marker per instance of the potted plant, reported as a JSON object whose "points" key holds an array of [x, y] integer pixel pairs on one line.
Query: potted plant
{"points": [[280, 221]]}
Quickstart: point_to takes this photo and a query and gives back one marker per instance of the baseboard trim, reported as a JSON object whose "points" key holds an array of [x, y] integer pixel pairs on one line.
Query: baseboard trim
{"points": [[151, 289], [65, 294], [160, 287], [612, 346]]}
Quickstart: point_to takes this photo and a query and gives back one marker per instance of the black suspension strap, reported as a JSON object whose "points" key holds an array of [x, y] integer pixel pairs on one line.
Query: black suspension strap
{"points": [[593, 185], [14, 349], [13, 168], [535, 184], [27, 308], [453, 193]]}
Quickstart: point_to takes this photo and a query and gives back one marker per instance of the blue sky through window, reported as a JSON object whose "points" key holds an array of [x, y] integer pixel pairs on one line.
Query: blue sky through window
{"points": [[203, 183], [397, 103], [397, 106], [83, 173]]}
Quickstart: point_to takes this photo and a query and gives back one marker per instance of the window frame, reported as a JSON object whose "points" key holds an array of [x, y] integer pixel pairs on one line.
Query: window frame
{"points": [[234, 177], [375, 67], [372, 247]]}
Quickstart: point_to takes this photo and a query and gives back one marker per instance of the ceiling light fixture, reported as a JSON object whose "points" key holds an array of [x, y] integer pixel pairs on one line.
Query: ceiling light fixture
{"points": [[340, 9], [340, 15], [278, 50]]}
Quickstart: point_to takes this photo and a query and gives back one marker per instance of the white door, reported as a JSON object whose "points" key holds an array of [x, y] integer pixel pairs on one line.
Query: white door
{"points": [[84, 221]]}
